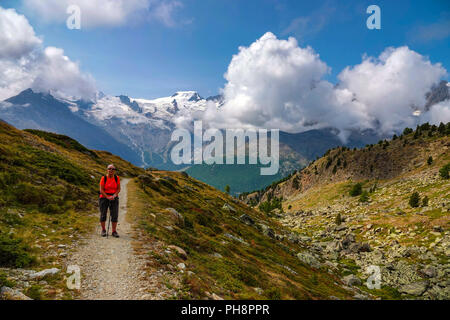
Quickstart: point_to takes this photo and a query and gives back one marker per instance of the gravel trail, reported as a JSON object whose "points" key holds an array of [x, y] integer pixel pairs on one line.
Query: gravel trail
{"points": [[110, 270]]}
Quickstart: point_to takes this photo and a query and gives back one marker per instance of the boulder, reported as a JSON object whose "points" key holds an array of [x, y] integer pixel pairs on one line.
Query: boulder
{"points": [[42, 274], [416, 288], [179, 219], [267, 231], [247, 220], [428, 271], [180, 251], [309, 259], [7, 293], [181, 266], [228, 208], [358, 247], [351, 280], [348, 239]]}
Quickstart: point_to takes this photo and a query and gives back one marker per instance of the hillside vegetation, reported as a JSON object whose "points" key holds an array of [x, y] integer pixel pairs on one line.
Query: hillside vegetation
{"points": [[223, 248], [385, 205], [48, 200]]}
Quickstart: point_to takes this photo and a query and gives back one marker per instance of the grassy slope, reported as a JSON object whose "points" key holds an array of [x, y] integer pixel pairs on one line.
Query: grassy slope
{"points": [[239, 268], [48, 190]]}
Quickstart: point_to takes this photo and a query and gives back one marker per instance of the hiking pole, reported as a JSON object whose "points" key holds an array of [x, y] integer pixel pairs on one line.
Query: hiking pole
{"points": [[109, 220]]}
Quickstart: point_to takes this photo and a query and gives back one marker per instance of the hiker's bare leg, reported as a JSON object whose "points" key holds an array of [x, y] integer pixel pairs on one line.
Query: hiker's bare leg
{"points": [[103, 225], [114, 226]]}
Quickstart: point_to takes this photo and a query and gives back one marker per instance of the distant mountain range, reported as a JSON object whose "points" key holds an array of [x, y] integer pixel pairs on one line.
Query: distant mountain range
{"points": [[139, 131]]}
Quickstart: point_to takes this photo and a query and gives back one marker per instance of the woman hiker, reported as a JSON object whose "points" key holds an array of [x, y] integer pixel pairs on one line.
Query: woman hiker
{"points": [[109, 198]]}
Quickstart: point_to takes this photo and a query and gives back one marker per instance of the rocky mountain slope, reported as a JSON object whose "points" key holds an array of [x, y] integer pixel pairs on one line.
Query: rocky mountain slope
{"points": [[207, 243], [358, 208]]}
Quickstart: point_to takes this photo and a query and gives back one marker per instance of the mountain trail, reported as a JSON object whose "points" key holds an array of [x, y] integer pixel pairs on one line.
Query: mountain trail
{"points": [[110, 269]]}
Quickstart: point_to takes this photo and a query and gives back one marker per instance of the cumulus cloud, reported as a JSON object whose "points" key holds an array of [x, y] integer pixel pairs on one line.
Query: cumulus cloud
{"points": [[55, 72], [392, 86], [276, 84], [17, 37], [107, 13], [24, 63]]}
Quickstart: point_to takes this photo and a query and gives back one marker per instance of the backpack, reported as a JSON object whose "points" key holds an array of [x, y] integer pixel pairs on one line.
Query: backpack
{"points": [[105, 178]]}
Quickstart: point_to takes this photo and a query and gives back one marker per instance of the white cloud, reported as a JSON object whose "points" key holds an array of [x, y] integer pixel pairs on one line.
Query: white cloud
{"points": [[440, 112], [276, 84], [25, 63], [163, 11], [108, 13], [55, 72], [392, 86], [17, 37]]}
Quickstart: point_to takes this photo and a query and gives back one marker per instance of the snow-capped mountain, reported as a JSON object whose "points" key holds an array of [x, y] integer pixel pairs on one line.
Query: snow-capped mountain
{"points": [[145, 125], [139, 130], [33, 110]]}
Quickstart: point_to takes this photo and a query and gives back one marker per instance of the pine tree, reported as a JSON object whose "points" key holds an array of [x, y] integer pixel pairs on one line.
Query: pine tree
{"points": [[414, 200], [338, 219]]}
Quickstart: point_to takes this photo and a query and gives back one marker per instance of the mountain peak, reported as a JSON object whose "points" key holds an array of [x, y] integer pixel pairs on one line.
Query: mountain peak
{"points": [[29, 95], [187, 95]]}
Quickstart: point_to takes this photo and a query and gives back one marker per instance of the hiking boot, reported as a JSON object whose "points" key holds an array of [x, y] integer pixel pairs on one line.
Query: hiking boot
{"points": [[115, 234], [103, 233]]}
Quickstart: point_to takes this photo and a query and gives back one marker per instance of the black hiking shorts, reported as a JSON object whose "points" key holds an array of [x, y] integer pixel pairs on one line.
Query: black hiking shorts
{"points": [[113, 206]]}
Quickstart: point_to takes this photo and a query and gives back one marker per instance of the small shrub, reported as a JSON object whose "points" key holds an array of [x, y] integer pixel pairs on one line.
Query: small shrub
{"points": [[4, 282], [430, 160], [34, 292], [13, 253], [364, 197], [356, 190], [338, 219], [27, 193], [444, 171], [227, 189], [414, 200]]}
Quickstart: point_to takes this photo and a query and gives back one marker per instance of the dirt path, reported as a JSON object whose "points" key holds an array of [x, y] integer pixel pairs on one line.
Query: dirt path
{"points": [[109, 268]]}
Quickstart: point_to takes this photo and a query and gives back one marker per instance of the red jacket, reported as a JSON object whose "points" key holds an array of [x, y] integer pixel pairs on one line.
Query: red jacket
{"points": [[111, 186]]}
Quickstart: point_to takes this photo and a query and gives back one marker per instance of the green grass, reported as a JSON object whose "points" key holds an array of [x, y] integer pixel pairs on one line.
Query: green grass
{"points": [[15, 253], [48, 192], [262, 263]]}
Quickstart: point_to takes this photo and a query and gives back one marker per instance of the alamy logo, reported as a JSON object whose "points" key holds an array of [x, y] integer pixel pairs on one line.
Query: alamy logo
{"points": [[74, 280], [374, 20], [374, 280], [74, 20], [209, 147]]}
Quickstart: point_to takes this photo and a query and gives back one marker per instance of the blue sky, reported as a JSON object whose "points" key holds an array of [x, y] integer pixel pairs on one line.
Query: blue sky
{"points": [[152, 59]]}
